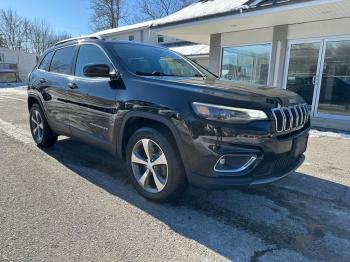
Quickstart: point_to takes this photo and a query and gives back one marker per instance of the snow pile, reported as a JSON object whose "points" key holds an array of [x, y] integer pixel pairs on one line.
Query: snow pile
{"points": [[317, 133], [201, 9], [138, 26], [191, 49]]}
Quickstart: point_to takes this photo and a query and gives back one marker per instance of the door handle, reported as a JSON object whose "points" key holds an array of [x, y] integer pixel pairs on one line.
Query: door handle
{"points": [[72, 85], [42, 80], [314, 80]]}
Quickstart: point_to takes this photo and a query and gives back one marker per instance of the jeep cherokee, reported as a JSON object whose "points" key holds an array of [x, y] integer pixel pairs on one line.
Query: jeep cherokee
{"points": [[172, 121]]}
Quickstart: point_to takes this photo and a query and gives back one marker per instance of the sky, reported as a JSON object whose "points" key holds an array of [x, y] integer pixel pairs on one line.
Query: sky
{"points": [[72, 16]]}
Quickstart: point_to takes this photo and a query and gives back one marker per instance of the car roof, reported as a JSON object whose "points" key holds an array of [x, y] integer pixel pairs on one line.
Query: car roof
{"points": [[101, 41]]}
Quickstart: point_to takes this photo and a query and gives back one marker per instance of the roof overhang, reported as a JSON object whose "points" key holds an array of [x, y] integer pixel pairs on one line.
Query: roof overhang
{"points": [[199, 30]]}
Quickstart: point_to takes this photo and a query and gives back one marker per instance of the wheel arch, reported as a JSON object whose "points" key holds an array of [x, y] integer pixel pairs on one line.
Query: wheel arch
{"points": [[136, 120], [34, 99]]}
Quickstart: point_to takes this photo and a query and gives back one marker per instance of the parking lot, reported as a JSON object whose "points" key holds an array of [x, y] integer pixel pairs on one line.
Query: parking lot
{"points": [[74, 202]]}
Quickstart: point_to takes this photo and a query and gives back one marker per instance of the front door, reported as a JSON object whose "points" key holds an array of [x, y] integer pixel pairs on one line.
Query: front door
{"points": [[333, 98], [319, 71], [302, 72], [95, 109]]}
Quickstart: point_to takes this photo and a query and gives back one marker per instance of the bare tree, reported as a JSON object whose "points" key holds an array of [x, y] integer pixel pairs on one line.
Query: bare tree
{"points": [[107, 14], [41, 33], [56, 37], [154, 9], [10, 28], [31, 36], [27, 28]]}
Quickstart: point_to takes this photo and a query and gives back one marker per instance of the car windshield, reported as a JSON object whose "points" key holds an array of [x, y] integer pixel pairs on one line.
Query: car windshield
{"points": [[156, 61]]}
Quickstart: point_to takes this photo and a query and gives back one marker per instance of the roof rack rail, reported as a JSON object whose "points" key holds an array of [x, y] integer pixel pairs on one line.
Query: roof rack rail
{"points": [[79, 38]]}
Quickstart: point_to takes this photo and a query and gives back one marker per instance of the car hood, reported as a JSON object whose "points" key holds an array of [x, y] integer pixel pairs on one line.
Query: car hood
{"points": [[230, 90]]}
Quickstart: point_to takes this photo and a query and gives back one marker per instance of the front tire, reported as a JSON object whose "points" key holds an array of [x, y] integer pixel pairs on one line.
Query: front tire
{"points": [[154, 166], [41, 132]]}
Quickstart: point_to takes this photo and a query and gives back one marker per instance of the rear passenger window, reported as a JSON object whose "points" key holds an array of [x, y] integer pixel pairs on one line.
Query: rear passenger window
{"points": [[45, 63], [62, 60], [89, 54]]}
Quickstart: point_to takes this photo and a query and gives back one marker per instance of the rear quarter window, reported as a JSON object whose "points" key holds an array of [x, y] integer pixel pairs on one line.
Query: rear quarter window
{"points": [[46, 61], [62, 60]]}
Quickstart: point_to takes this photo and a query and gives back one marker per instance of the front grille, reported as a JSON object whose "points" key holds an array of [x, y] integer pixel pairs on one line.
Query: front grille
{"points": [[290, 118]]}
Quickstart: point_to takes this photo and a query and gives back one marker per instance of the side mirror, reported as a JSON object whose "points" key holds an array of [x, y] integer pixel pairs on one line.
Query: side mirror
{"points": [[97, 70]]}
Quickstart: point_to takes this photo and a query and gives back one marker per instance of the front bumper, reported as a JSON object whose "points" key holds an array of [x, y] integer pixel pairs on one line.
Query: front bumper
{"points": [[234, 182], [277, 156]]}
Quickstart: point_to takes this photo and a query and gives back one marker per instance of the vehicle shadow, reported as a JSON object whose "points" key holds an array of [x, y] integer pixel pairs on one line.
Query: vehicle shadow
{"points": [[295, 214]]}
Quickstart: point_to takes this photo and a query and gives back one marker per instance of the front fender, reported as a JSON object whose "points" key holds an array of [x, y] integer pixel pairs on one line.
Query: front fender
{"points": [[176, 126]]}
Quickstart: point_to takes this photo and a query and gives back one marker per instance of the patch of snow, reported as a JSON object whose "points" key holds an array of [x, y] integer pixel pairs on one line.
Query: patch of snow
{"points": [[317, 133], [191, 49], [15, 132], [22, 90], [12, 85], [201, 9]]}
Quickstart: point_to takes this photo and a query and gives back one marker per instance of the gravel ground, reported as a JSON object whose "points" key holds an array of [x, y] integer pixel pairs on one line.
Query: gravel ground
{"points": [[74, 203]]}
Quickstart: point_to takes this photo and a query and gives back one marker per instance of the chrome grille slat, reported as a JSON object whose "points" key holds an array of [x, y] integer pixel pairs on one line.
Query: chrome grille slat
{"points": [[290, 118]]}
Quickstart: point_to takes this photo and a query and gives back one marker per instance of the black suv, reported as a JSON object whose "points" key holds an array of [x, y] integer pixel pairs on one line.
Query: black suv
{"points": [[171, 120]]}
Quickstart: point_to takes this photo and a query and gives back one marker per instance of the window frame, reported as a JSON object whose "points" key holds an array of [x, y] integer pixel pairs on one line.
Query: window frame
{"points": [[160, 37], [72, 62], [200, 69], [131, 36], [245, 45], [113, 67], [43, 58]]}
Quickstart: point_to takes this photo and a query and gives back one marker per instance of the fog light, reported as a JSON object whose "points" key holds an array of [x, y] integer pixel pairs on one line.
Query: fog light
{"points": [[234, 163]]}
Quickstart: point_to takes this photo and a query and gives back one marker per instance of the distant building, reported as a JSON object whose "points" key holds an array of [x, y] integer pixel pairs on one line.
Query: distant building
{"points": [[15, 65], [141, 33]]}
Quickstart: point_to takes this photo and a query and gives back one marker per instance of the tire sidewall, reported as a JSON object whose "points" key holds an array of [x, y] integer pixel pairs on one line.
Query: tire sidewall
{"points": [[175, 170], [46, 129]]}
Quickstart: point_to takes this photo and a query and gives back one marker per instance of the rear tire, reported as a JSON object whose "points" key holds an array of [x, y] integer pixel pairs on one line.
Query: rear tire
{"points": [[158, 174], [41, 132]]}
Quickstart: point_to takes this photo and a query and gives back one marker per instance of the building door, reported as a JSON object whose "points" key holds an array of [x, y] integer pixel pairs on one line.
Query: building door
{"points": [[333, 96], [319, 71], [302, 69]]}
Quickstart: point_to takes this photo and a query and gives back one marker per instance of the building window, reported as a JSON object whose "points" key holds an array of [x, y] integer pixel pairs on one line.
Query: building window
{"points": [[160, 39], [246, 64], [131, 38], [2, 60]]}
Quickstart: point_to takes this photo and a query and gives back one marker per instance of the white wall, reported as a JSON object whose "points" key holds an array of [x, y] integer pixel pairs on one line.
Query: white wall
{"points": [[148, 36], [125, 36], [336, 27], [263, 35], [25, 61]]}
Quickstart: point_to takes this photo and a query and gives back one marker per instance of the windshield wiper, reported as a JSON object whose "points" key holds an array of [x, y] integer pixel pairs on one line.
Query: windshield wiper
{"points": [[154, 73]]}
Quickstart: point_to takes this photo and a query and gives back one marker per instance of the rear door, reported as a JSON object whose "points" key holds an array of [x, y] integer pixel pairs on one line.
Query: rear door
{"points": [[93, 116], [54, 85]]}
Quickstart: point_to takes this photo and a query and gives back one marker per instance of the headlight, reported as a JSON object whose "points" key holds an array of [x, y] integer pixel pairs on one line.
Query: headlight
{"points": [[227, 114]]}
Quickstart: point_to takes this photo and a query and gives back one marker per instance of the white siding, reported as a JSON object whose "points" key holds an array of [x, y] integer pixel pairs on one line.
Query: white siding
{"points": [[25, 61], [255, 36], [336, 27]]}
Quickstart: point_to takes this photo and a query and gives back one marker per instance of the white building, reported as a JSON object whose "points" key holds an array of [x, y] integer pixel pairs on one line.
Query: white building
{"points": [[15, 65], [141, 33], [299, 45]]}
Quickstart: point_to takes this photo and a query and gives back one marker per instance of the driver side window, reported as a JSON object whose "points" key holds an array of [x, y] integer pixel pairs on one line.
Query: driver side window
{"points": [[89, 54]]}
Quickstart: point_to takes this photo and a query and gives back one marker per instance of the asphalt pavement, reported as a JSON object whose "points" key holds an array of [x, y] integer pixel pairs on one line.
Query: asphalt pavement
{"points": [[73, 202]]}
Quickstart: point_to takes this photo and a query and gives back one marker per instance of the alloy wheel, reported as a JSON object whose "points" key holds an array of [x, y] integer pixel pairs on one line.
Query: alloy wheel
{"points": [[149, 165], [37, 126]]}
